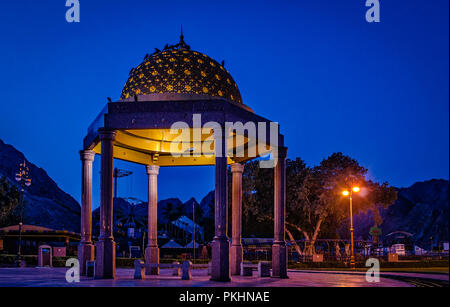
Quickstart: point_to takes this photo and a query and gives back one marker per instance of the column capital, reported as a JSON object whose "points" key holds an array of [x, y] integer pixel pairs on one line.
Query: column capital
{"points": [[237, 168], [152, 169], [282, 152], [87, 155], [106, 134]]}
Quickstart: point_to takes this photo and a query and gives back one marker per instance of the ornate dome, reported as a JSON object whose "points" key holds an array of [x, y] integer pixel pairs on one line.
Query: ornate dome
{"points": [[178, 69]]}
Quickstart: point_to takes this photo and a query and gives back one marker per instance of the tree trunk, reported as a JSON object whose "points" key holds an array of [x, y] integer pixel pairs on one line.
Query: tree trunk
{"points": [[296, 246], [312, 249], [337, 249]]}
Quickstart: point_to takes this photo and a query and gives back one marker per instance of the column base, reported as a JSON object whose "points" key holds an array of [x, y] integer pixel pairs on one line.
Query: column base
{"points": [[220, 266], [279, 260], [86, 252], [151, 256], [236, 257], [105, 262]]}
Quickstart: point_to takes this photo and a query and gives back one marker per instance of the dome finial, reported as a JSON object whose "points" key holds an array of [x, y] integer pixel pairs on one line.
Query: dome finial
{"points": [[181, 36], [182, 44]]}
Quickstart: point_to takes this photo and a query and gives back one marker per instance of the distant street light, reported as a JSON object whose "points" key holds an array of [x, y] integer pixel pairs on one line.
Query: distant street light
{"points": [[22, 176], [350, 195]]}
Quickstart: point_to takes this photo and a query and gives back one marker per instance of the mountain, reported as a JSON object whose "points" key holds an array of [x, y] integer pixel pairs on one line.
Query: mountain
{"points": [[421, 209], [45, 204], [207, 204], [138, 209]]}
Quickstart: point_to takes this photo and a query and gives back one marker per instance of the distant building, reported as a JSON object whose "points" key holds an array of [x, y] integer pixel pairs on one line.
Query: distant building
{"points": [[398, 249], [172, 244], [445, 246], [33, 236], [186, 224], [418, 251]]}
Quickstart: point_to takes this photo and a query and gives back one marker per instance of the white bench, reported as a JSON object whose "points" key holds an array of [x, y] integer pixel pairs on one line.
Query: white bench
{"points": [[139, 268], [247, 268], [263, 268]]}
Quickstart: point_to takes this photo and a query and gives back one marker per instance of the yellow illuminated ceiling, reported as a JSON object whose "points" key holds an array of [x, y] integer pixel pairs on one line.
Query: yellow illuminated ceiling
{"points": [[155, 146]]}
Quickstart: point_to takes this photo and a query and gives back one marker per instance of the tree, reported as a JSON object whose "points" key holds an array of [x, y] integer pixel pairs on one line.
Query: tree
{"points": [[257, 200], [172, 212], [314, 202], [9, 200]]}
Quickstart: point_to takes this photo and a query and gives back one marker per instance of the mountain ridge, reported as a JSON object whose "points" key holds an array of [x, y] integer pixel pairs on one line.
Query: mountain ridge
{"points": [[43, 191]]}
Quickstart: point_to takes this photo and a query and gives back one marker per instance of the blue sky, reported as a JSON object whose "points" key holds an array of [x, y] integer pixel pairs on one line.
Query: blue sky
{"points": [[377, 92]]}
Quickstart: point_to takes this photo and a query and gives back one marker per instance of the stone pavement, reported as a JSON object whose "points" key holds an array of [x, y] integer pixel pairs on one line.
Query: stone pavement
{"points": [[55, 277], [444, 277]]}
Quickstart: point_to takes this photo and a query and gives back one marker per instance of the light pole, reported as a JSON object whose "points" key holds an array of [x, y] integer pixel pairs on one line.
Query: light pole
{"points": [[22, 176], [193, 231], [350, 196]]}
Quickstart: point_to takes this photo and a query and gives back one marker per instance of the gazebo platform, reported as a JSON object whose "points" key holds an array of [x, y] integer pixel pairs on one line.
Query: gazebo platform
{"points": [[42, 277]]}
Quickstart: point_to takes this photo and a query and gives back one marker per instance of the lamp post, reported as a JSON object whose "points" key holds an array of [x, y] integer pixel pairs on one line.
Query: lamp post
{"points": [[193, 231], [22, 176], [350, 196]]}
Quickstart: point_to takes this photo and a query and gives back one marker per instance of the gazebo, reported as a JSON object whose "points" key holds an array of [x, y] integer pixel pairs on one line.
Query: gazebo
{"points": [[181, 107]]}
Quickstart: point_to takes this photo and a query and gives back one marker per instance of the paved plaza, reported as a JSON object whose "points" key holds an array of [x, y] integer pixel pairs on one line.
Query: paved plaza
{"points": [[48, 277]]}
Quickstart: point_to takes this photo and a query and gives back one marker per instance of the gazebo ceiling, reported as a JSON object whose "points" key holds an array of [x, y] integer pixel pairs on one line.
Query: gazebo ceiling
{"points": [[156, 146]]}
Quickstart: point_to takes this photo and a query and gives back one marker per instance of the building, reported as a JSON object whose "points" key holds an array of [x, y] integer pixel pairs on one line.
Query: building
{"points": [[187, 225], [34, 236]]}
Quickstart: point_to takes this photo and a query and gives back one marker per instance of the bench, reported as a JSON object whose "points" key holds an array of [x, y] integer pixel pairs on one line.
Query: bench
{"points": [[263, 268], [247, 268], [139, 268]]}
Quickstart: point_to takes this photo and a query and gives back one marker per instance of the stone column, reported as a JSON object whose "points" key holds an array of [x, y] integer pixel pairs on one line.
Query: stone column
{"points": [[279, 252], [105, 263], [236, 245], [86, 248], [220, 268], [152, 250]]}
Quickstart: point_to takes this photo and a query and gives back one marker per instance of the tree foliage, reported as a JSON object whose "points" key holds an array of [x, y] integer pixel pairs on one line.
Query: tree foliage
{"points": [[314, 200], [9, 200], [172, 212]]}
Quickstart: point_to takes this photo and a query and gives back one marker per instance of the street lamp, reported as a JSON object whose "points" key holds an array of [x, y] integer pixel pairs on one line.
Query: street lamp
{"points": [[22, 176], [193, 231], [348, 193]]}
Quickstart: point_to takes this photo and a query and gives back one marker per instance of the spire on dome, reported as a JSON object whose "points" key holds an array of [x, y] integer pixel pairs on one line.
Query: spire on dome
{"points": [[182, 44], [181, 36]]}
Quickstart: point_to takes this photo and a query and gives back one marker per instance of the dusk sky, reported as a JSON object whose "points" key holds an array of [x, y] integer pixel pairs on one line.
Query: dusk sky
{"points": [[378, 92]]}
